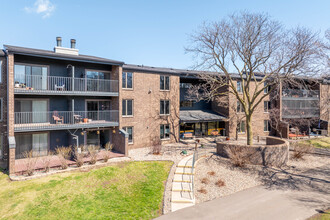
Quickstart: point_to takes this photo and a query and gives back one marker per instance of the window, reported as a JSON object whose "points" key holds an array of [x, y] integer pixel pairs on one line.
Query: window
{"points": [[164, 83], [186, 103], [266, 106], [241, 127], [266, 90], [240, 107], [31, 76], [266, 125], [31, 111], [127, 80], [37, 142], [1, 108], [0, 71], [127, 106], [164, 107], [129, 130], [164, 131], [239, 86]]}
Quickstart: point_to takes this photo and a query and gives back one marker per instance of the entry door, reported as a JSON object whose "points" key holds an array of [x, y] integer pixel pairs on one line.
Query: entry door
{"points": [[92, 109], [39, 144], [39, 111], [93, 138]]}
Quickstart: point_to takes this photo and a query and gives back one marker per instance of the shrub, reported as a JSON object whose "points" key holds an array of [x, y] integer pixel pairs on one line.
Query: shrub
{"points": [[211, 173], [301, 149], [202, 190], [46, 160], [78, 158], [64, 154], [205, 180], [31, 162], [92, 151], [239, 155], [220, 183], [108, 148]]}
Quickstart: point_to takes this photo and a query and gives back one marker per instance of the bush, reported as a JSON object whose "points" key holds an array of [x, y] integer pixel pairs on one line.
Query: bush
{"points": [[79, 158], [46, 160], [220, 183], [63, 154], [301, 149], [156, 148], [205, 180], [211, 173], [108, 148], [93, 151], [202, 190], [31, 162], [239, 155]]}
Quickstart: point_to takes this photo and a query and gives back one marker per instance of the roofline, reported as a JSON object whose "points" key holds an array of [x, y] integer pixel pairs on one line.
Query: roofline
{"points": [[59, 57]]}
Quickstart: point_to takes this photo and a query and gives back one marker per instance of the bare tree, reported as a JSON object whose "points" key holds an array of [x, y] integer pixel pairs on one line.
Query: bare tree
{"points": [[259, 49]]}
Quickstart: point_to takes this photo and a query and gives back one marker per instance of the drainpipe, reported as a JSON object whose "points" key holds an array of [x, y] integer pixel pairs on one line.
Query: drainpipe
{"points": [[72, 78]]}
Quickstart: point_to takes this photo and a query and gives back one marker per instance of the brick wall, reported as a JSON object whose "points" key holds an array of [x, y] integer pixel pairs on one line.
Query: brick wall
{"points": [[146, 120]]}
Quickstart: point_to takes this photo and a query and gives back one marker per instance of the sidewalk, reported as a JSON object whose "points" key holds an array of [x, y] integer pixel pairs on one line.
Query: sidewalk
{"points": [[296, 197]]}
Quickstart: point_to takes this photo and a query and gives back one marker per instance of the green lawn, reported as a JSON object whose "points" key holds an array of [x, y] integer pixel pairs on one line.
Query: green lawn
{"points": [[323, 216], [320, 142], [131, 190]]}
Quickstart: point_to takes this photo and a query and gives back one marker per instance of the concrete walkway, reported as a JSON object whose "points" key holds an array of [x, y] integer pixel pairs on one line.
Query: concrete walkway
{"points": [[288, 196]]}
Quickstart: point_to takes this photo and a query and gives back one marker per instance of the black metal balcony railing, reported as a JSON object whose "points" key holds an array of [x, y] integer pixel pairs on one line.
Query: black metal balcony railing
{"points": [[300, 93], [56, 84], [26, 121]]}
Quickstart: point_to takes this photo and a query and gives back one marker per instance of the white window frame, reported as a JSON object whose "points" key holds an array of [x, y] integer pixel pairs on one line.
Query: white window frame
{"points": [[266, 90], [267, 126], [125, 128], [127, 88], [266, 105], [164, 128], [239, 87], [239, 125], [239, 107], [169, 83], [169, 107], [126, 115]]}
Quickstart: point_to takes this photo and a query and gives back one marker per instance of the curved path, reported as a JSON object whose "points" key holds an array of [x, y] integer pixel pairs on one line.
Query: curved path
{"points": [[298, 196]]}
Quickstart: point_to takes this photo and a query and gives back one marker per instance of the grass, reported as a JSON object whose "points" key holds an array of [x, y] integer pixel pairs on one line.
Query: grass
{"points": [[131, 190], [319, 142], [322, 216]]}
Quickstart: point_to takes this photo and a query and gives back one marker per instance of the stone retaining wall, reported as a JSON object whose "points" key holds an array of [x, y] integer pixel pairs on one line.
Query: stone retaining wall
{"points": [[274, 153]]}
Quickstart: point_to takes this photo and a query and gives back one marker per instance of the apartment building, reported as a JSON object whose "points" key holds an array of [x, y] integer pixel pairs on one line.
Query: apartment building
{"points": [[59, 97]]}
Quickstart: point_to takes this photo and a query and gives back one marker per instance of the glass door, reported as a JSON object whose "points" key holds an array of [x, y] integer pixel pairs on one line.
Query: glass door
{"points": [[39, 111], [93, 138], [39, 144]]}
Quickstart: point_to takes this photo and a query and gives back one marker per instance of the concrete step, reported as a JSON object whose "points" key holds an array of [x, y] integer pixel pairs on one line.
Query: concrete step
{"points": [[182, 178], [184, 170], [187, 161], [176, 206], [182, 197], [181, 187]]}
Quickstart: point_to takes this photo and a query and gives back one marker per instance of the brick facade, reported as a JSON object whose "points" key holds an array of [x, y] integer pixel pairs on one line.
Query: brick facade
{"points": [[146, 119]]}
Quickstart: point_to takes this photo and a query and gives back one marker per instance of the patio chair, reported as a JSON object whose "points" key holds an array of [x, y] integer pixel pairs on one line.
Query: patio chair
{"points": [[58, 119], [59, 88]]}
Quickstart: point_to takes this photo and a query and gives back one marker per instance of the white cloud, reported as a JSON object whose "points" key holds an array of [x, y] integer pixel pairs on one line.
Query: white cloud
{"points": [[43, 7]]}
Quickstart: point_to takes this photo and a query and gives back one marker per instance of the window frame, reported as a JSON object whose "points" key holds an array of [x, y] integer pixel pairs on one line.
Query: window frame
{"points": [[267, 127], [127, 88], [239, 88], [125, 129], [169, 107], [165, 84], [126, 101], [240, 131], [164, 129], [268, 106], [239, 107], [266, 90]]}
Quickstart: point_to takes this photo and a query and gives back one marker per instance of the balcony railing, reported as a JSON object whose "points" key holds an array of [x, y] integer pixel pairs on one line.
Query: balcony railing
{"points": [[57, 84], [300, 93], [57, 120], [301, 113]]}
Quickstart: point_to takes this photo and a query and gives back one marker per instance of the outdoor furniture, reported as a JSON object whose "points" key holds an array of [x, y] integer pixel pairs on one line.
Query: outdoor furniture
{"points": [[77, 118], [59, 88], [187, 135], [58, 119]]}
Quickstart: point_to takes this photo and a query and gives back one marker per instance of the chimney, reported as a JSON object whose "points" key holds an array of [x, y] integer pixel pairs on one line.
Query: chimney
{"points": [[59, 41], [73, 43], [65, 50]]}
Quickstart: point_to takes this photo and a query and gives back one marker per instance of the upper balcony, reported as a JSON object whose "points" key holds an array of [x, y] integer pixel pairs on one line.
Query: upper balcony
{"points": [[303, 94], [55, 85], [301, 113], [62, 120]]}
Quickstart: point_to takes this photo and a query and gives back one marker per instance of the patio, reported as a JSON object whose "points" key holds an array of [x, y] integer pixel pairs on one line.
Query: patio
{"points": [[55, 163]]}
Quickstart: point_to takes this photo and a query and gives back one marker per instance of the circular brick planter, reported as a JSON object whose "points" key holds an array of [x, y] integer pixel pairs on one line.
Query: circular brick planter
{"points": [[274, 153]]}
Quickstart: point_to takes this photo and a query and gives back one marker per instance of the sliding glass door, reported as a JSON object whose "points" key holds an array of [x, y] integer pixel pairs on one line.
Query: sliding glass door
{"points": [[38, 143], [29, 111], [98, 109], [31, 76]]}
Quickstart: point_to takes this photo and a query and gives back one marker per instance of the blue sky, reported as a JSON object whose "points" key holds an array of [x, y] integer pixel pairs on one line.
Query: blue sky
{"points": [[138, 32]]}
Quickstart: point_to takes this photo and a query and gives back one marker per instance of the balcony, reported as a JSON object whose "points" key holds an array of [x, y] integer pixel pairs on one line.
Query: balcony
{"points": [[55, 85], [62, 120], [301, 113], [302, 94]]}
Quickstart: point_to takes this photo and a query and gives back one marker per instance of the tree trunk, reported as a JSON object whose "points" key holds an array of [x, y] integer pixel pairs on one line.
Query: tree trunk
{"points": [[249, 133]]}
